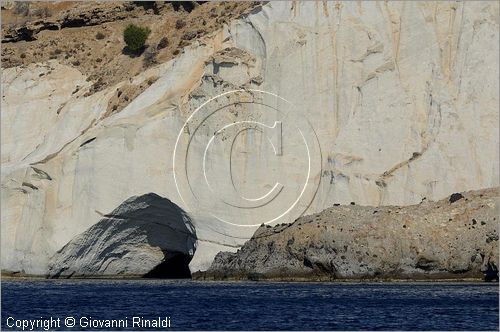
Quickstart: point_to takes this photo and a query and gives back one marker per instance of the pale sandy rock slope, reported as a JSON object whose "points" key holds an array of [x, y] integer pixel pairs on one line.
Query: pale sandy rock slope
{"points": [[402, 98]]}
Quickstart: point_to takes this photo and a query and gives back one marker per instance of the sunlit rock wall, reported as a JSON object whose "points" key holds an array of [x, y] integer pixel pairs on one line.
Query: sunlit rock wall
{"points": [[402, 98]]}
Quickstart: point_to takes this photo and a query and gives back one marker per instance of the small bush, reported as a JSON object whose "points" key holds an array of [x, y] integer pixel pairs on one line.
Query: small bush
{"points": [[189, 35], [135, 37], [99, 35], [163, 43], [179, 24]]}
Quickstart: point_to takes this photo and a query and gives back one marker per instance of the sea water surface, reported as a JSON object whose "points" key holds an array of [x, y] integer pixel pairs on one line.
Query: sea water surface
{"points": [[192, 305]]}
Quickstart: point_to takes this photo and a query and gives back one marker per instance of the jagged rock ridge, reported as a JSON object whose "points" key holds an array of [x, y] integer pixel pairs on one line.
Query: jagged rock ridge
{"points": [[430, 240]]}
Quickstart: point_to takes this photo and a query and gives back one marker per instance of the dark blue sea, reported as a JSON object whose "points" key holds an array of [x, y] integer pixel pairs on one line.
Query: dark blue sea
{"points": [[192, 305]]}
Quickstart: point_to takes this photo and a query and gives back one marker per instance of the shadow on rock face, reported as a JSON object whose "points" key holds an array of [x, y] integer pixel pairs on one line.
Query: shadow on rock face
{"points": [[146, 236], [174, 266]]}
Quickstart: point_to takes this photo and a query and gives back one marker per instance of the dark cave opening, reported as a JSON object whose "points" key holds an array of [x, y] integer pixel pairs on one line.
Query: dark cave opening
{"points": [[174, 266]]}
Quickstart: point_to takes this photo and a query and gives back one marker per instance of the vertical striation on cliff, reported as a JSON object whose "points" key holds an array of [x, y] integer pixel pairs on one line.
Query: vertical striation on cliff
{"points": [[402, 96]]}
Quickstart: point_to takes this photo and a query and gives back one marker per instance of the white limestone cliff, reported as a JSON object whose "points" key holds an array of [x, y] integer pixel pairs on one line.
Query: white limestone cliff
{"points": [[402, 97]]}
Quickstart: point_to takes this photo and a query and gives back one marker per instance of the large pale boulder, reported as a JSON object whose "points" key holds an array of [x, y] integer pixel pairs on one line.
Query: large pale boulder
{"points": [[145, 236], [401, 103]]}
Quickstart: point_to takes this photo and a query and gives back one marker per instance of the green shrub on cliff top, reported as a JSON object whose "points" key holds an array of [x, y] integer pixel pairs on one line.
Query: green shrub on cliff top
{"points": [[135, 37]]}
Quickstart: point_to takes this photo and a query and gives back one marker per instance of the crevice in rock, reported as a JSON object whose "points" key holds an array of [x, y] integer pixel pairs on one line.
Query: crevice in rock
{"points": [[88, 141], [42, 174], [29, 185]]}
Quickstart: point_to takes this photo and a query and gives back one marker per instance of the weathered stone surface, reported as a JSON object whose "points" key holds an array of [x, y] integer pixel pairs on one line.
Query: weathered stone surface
{"points": [[145, 236], [403, 97], [430, 240]]}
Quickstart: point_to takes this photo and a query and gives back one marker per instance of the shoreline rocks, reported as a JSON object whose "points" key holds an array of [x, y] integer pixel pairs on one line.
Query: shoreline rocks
{"points": [[428, 241]]}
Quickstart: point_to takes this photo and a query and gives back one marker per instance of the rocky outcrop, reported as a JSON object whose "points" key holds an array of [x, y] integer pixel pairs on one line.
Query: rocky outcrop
{"points": [[89, 35], [80, 15], [146, 236], [74, 17], [38, 17], [402, 97], [430, 240]]}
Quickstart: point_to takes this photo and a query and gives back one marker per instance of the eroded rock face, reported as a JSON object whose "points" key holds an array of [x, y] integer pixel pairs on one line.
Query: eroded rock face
{"points": [[403, 97], [146, 236], [428, 240]]}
